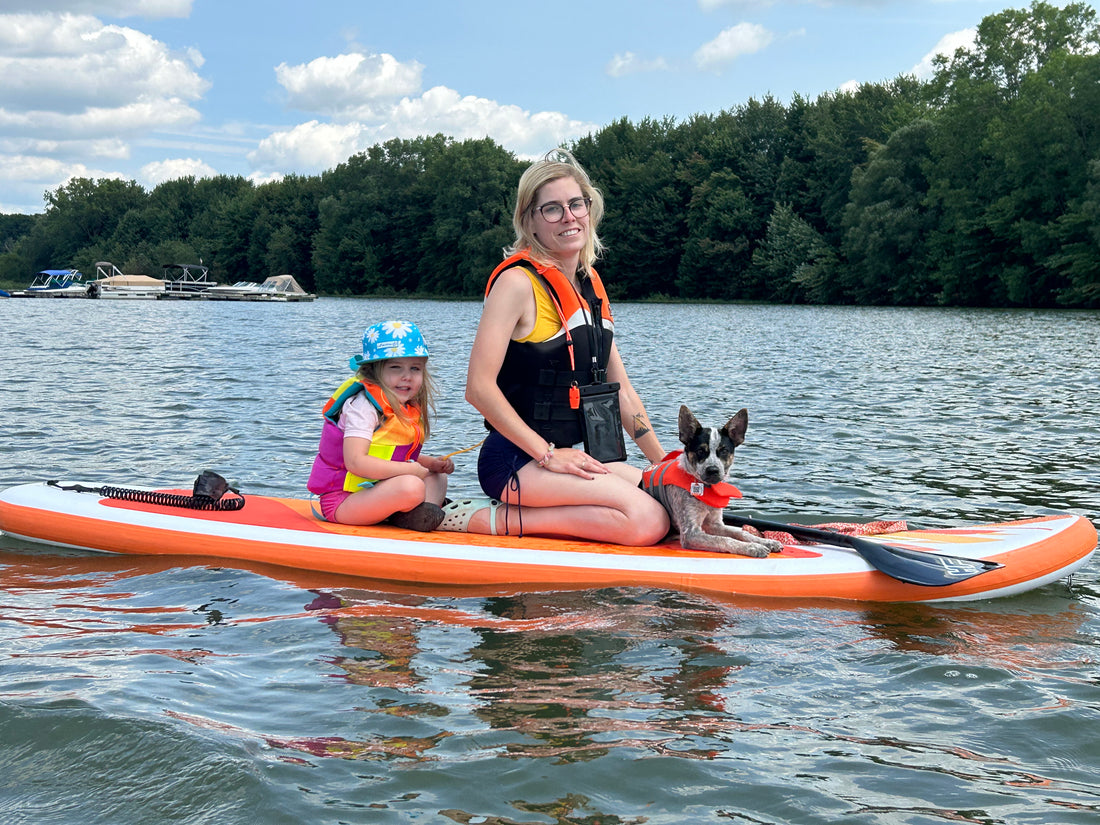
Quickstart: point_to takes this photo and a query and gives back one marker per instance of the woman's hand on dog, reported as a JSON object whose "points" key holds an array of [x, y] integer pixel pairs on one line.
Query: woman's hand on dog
{"points": [[575, 462]]}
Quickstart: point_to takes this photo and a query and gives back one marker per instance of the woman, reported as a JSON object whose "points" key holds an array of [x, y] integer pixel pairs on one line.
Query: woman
{"points": [[544, 344]]}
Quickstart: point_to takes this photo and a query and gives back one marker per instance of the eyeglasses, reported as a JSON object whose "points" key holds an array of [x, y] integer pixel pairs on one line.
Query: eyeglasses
{"points": [[554, 212]]}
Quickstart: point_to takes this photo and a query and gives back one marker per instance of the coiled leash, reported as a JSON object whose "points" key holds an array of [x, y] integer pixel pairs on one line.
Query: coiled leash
{"points": [[206, 495]]}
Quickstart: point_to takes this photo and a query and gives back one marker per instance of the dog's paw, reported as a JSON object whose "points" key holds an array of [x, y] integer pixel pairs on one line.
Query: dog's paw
{"points": [[772, 545], [698, 540], [756, 551]]}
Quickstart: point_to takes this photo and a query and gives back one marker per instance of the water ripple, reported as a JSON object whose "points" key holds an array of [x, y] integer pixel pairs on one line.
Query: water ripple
{"points": [[175, 690]]}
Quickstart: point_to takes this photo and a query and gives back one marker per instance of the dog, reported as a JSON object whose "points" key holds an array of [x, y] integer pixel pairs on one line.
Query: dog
{"points": [[691, 486]]}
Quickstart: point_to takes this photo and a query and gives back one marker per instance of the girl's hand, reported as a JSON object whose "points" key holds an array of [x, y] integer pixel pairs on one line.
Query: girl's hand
{"points": [[438, 465], [416, 468]]}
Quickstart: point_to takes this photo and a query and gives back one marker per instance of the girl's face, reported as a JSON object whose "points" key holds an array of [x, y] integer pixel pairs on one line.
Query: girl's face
{"points": [[404, 377], [567, 236]]}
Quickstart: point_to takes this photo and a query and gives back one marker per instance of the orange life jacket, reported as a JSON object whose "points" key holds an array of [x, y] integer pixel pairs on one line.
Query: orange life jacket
{"points": [[397, 438], [670, 472]]}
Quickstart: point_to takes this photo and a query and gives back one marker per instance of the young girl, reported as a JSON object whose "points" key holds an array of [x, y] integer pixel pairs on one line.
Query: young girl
{"points": [[369, 467]]}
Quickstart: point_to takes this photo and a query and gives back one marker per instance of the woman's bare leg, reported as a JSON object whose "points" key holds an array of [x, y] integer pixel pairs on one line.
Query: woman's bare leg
{"points": [[608, 507]]}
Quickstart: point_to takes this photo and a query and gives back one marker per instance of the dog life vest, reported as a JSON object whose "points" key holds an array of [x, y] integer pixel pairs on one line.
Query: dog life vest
{"points": [[537, 376], [669, 472], [396, 438]]}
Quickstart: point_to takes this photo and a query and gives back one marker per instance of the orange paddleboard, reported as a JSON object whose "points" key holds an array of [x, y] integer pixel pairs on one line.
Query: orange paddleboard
{"points": [[281, 531]]}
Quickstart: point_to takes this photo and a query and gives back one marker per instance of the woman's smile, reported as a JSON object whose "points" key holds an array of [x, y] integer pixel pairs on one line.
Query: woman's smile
{"points": [[564, 238]]}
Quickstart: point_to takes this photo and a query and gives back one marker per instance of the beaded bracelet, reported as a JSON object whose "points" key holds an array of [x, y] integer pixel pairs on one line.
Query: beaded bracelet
{"points": [[542, 462]]}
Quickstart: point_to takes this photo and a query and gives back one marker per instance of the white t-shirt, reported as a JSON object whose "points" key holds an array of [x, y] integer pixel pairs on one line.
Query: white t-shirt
{"points": [[359, 418]]}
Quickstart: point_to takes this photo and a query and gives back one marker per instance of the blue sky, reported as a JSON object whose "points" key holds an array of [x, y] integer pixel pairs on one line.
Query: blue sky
{"points": [[151, 90]]}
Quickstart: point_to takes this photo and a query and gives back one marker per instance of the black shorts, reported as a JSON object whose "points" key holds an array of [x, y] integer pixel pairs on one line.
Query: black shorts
{"points": [[497, 462]]}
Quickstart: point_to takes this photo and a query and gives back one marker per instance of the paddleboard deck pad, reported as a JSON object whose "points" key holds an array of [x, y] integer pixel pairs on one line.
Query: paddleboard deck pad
{"points": [[281, 531]]}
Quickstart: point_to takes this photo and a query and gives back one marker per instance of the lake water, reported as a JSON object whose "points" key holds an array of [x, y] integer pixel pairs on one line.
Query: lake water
{"points": [[147, 690]]}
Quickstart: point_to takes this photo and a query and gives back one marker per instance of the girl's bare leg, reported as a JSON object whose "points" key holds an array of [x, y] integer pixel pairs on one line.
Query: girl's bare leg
{"points": [[435, 488], [386, 497]]}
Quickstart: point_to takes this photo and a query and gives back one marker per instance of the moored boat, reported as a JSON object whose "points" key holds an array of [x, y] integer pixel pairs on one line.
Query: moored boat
{"points": [[55, 283], [277, 288], [1025, 554], [281, 288], [112, 284], [186, 281], [238, 291]]}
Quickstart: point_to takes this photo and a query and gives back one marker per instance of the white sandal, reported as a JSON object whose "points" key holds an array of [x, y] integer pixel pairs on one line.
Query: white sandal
{"points": [[457, 514]]}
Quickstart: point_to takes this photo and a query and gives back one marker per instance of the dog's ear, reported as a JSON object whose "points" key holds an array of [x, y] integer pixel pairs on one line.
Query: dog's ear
{"points": [[736, 426], [689, 425]]}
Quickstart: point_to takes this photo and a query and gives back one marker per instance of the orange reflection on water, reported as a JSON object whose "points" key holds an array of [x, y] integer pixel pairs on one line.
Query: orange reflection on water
{"points": [[568, 676]]}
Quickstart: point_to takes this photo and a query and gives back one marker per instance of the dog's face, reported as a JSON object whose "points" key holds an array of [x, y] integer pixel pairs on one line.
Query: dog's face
{"points": [[708, 451]]}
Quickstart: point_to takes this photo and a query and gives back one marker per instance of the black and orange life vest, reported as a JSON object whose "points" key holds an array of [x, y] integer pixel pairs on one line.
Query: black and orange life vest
{"points": [[536, 377]]}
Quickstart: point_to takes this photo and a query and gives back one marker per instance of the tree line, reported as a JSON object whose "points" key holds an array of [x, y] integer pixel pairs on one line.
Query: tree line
{"points": [[978, 187]]}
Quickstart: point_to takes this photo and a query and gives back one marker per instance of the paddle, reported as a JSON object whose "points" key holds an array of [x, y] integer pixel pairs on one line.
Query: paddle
{"points": [[912, 566]]}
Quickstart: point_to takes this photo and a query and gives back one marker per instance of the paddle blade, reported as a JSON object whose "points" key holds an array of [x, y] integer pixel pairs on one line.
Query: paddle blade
{"points": [[920, 567], [911, 566]]}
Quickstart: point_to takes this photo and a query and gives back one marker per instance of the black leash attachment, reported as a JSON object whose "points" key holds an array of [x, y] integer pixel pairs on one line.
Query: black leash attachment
{"points": [[207, 494]]}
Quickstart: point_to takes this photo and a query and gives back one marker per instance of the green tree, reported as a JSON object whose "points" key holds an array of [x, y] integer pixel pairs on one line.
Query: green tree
{"points": [[718, 251], [888, 221], [1013, 44], [372, 217], [77, 215], [13, 228], [1076, 256], [284, 222], [795, 262], [832, 138], [644, 221], [219, 231], [472, 186], [732, 170], [1015, 132]]}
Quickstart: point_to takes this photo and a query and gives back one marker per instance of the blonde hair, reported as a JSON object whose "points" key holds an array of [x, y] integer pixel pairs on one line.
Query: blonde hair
{"points": [[371, 373], [554, 165]]}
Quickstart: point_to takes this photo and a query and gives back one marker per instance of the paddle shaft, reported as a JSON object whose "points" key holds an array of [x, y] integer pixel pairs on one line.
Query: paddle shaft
{"points": [[912, 566]]}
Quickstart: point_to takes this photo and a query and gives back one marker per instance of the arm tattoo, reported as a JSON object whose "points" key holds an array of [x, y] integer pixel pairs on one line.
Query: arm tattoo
{"points": [[641, 426]]}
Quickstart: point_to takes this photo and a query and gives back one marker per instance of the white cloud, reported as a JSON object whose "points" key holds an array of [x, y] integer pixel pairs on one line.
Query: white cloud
{"points": [[96, 122], [742, 39], [465, 116], [172, 169], [311, 146], [26, 177], [106, 148], [629, 63], [76, 77], [347, 84], [373, 98], [108, 8], [76, 90], [260, 178], [32, 168], [948, 43]]}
